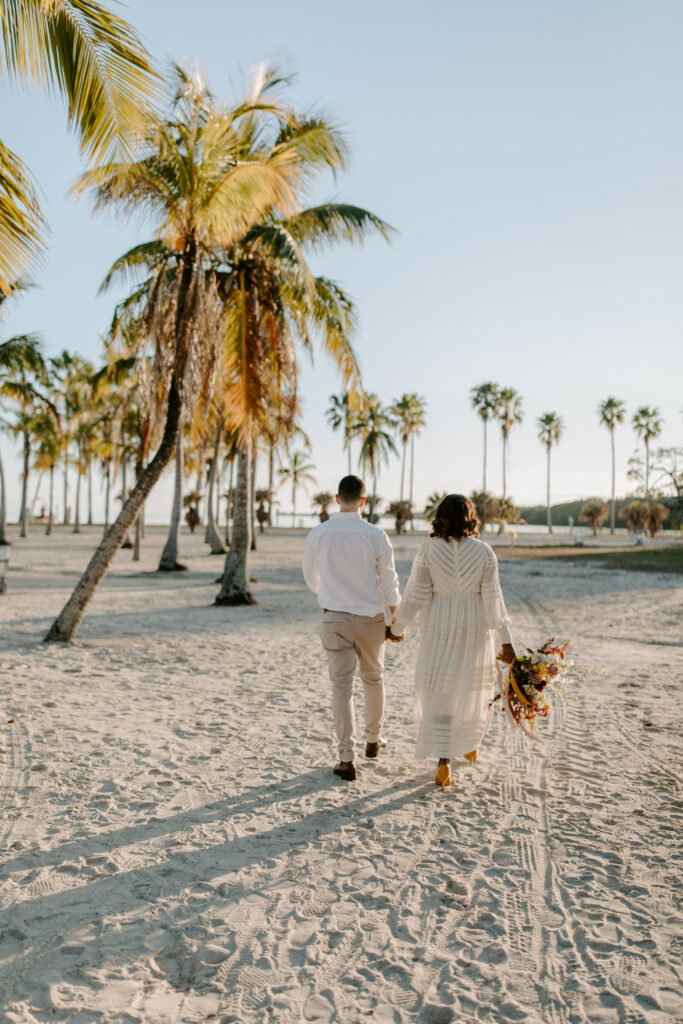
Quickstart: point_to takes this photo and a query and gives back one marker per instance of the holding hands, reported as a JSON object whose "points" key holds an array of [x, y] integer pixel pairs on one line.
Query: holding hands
{"points": [[388, 635]]}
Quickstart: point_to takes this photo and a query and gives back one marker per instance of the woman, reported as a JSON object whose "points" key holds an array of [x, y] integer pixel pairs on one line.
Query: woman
{"points": [[454, 595]]}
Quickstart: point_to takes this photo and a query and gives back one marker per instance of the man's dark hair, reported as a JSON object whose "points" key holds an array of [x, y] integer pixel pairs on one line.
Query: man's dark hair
{"points": [[351, 488]]}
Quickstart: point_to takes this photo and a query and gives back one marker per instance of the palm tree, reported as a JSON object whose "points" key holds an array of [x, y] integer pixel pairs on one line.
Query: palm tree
{"points": [[647, 423], [409, 416], [594, 511], [276, 302], [377, 444], [100, 66], [297, 473], [19, 356], [612, 412], [635, 514], [508, 413], [432, 503], [213, 537], [206, 178], [323, 499], [550, 428], [484, 399], [341, 415], [487, 507], [79, 401], [33, 405], [47, 455]]}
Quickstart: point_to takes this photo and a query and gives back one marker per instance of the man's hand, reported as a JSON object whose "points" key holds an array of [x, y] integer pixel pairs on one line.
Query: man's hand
{"points": [[507, 654], [388, 635]]}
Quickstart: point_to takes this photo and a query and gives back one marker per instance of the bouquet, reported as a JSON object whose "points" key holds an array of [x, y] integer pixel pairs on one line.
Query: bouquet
{"points": [[524, 689]]}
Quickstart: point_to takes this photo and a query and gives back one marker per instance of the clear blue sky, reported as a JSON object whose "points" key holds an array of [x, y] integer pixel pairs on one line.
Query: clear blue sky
{"points": [[531, 157]]}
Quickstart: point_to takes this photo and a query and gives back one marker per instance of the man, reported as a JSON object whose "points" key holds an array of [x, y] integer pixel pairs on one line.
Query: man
{"points": [[349, 564]]}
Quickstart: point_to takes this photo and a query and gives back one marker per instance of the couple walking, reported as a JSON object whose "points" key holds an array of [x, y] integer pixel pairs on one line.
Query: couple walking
{"points": [[453, 595]]}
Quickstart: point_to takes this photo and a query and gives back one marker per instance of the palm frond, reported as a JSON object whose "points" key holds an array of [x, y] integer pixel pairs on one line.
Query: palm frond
{"points": [[146, 255], [21, 221], [22, 353], [94, 58], [331, 223]]}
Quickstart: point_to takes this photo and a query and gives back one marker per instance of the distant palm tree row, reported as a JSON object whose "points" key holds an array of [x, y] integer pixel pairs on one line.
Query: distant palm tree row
{"points": [[504, 406]]}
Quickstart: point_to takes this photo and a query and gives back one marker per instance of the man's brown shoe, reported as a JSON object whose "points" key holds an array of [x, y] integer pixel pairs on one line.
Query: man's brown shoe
{"points": [[345, 770], [373, 749]]}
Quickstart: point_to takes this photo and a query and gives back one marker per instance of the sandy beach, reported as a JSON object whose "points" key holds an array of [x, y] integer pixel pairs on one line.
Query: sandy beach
{"points": [[176, 849]]}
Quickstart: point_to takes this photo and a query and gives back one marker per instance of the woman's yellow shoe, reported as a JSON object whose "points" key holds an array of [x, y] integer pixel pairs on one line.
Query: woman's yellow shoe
{"points": [[443, 776], [472, 756]]}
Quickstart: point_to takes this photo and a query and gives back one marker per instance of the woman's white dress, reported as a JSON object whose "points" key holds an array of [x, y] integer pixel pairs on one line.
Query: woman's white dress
{"points": [[454, 595]]}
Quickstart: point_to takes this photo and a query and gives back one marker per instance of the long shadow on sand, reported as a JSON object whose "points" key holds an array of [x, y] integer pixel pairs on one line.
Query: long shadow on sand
{"points": [[132, 891]]}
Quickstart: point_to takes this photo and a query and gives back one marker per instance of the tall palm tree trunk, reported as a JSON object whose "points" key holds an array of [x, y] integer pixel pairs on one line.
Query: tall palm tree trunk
{"points": [[77, 511], [23, 518], [483, 485], [235, 586], [213, 537], [252, 545], [613, 514], [66, 489], [229, 502], [505, 460], [271, 482], [547, 491], [403, 467], [107, 493], [48, 528], [293, 503], [348, 452], [169, 556], [127, 543], [412, 477], [65, 625], [139, 522], [3, 505], [90, 494], [647, 470]]}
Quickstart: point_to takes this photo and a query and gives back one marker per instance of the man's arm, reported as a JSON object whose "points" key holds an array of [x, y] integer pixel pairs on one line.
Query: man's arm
{"points": [[386, 575], [310, 567]]}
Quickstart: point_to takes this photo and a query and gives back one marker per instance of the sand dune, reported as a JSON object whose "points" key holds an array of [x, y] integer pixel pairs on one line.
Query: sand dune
{"points": [[176, 848]]}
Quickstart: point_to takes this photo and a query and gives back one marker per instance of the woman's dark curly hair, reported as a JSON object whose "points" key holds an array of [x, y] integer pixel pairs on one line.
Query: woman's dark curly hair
{"points": [[456, 517]]}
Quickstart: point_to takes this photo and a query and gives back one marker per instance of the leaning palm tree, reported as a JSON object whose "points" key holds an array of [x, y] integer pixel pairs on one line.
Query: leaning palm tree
{"points": [[484, 399], [508, 413], [297, 473], [550, 428], [100, 66], [205, 178], [377, 444], [611, 412], [647, 423]]}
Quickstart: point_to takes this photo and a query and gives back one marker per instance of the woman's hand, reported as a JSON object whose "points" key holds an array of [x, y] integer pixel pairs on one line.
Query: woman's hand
{"points": [[508, 654]]}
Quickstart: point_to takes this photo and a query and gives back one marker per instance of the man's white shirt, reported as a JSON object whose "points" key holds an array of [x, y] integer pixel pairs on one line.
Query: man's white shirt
{"points": [[349, 564]]}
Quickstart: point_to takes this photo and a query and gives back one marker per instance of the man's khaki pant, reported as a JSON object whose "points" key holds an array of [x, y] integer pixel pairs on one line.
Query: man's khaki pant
{"points": [[347, 638]]}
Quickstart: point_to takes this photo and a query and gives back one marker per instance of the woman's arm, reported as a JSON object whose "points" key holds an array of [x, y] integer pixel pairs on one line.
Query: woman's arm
{"points": [[418, 594], [495, 612]]}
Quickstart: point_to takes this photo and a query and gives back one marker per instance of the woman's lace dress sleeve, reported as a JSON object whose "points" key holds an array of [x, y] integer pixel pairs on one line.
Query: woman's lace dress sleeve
{"points": [[495, 612], [417, 597]]}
